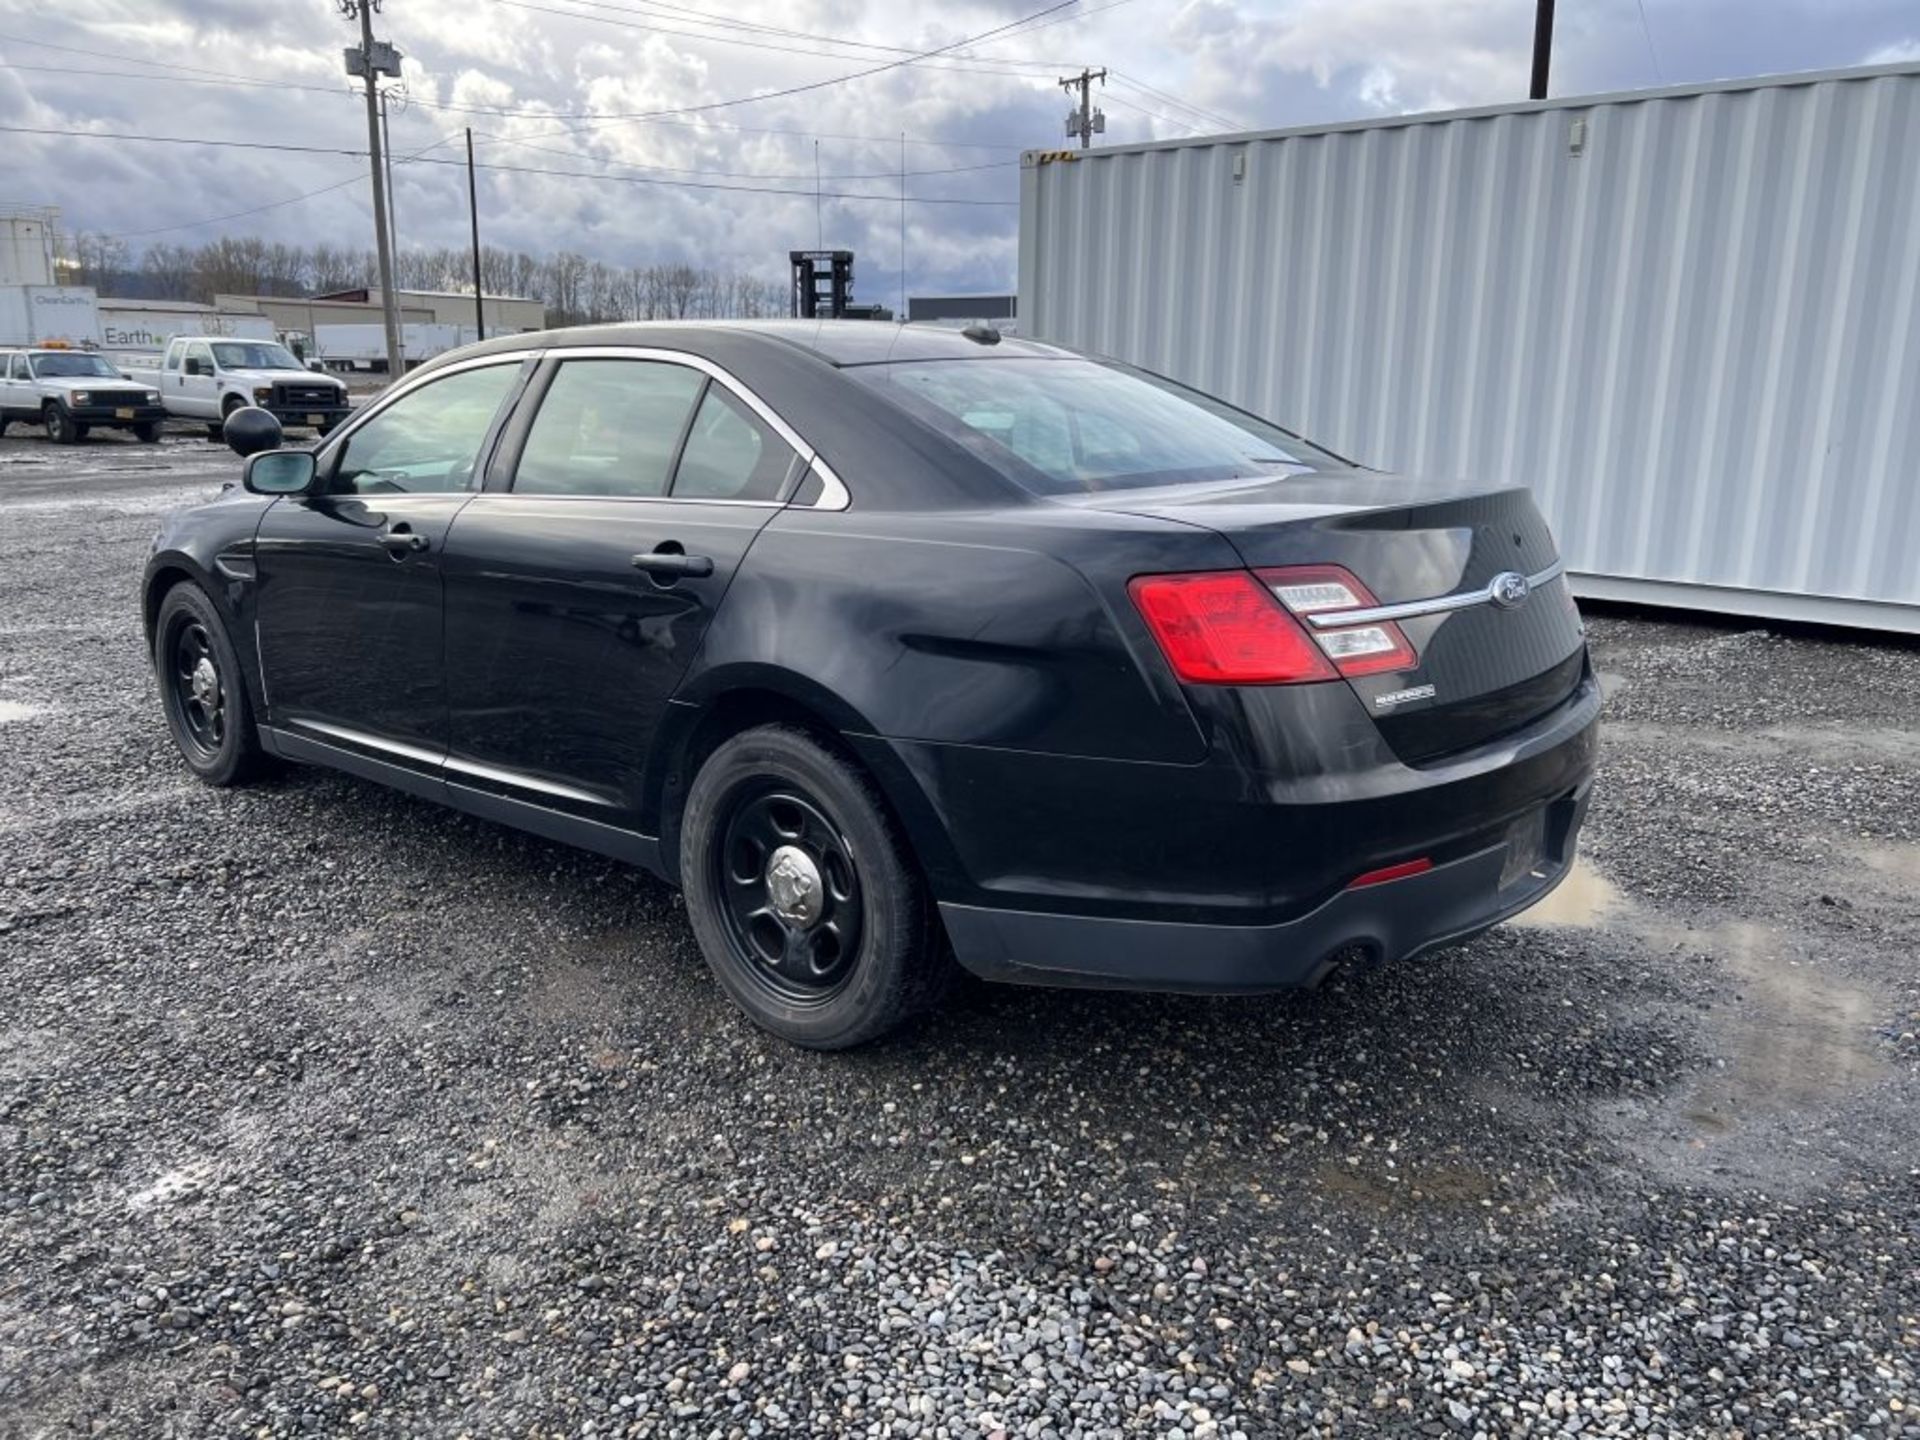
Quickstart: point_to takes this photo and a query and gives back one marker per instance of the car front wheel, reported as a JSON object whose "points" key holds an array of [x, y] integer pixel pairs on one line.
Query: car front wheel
{"points": [[803, 894], [61, 429], [147, 433], [202, 689]]}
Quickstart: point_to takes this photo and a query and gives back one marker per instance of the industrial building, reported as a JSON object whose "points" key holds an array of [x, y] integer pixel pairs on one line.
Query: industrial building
{"points": [[1688, 318]]}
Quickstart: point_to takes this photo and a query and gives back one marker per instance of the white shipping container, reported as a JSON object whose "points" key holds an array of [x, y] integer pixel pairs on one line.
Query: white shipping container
{"points": [[1688, 318], [49, 315], [131, 326]]}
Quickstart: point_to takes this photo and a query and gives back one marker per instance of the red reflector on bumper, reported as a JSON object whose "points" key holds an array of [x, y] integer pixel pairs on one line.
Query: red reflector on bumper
{"points": [[1391, 872]]}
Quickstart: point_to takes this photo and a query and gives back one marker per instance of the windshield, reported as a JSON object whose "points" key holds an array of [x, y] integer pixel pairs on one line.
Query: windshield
{"points": [[255, 356], [48, 367], [1072, 427]]}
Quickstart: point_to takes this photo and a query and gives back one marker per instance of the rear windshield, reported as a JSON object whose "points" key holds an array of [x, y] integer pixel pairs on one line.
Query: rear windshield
{"points": [[1075, 427]]}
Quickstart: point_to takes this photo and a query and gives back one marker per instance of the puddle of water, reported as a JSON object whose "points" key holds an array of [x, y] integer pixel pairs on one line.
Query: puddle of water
{"points": [[1585, 900], [1795, 1033], [1791, 1033], [12, 710], [1898, 862]]}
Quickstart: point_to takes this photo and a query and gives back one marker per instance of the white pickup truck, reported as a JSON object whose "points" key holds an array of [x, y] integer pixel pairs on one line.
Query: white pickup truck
{"points": [[208, 377]]}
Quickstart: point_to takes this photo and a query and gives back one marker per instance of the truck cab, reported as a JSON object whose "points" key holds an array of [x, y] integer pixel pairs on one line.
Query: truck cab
{"points": [[208, 377]]}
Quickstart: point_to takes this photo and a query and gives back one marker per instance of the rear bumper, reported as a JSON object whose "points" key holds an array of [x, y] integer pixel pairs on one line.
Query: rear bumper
{"points": [[1390, 921]]}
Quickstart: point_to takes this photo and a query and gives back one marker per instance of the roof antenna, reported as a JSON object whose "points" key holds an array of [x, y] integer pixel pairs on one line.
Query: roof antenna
{"points": [[981, 333]]}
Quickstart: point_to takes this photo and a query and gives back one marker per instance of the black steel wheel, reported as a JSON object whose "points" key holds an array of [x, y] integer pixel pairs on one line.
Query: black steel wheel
{"points": [[202, 690], [791, 892], [60, 426], [805, 898]]}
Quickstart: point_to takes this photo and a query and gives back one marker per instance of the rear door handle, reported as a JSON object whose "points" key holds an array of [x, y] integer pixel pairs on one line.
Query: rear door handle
{"points": [[673, 564], [399, 541]]}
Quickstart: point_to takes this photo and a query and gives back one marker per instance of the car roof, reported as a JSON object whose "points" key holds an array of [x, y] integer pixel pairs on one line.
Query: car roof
{"points": [[838, 342]]}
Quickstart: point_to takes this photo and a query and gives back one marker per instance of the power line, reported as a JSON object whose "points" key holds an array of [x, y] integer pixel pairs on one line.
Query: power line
{"points": [[812, 85], [961, 63], [420, 158], [221, 77], [1186, 125], [1644, 30], [746, 174], [1213, 117], [738, 189]]}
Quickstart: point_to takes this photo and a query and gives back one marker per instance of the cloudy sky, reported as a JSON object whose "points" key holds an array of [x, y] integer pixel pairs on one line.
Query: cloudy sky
{"points": [[561, 85]]}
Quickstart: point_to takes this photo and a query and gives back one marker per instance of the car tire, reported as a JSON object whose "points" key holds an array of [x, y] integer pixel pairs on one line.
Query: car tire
{"points": [[60, 426], [844, 945], [147, 434], [216, 430], [3, 425], [207, 710]]}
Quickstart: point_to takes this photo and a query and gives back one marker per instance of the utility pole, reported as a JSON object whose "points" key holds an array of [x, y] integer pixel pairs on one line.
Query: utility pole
{"points": [[1542, 48], [1083, 120], [473, 214], [370, 61]]}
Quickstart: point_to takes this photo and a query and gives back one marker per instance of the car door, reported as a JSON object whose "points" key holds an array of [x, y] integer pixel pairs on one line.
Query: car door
{"points": [[349, 606], [199, 386], [578, 592], [13, 389]]}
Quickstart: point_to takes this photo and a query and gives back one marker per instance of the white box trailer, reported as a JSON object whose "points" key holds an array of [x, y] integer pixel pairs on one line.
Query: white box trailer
{"points": [[137, 327], [49, 315], [1688, 318], [364, 347]]}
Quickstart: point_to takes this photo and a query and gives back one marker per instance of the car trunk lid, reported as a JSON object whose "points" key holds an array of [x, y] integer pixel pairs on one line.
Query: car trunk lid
{"points": [[1497, 641]]}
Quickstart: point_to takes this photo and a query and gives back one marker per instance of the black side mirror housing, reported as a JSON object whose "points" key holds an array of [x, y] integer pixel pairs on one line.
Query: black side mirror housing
{"points": [[280, 472], [250, 430]]}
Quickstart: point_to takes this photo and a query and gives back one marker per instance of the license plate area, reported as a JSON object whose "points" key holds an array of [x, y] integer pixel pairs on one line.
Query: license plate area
{"points": [[316, 419], [123, 413], [1526, 848]]}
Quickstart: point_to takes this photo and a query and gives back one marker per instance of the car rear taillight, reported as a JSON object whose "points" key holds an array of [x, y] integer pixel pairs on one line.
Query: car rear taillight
{"points": [[1223, 627], [1320, 593]]}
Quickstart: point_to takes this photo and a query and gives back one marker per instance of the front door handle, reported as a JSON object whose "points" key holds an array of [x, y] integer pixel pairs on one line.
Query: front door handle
{"points": [[400, 541], [673, 564]]}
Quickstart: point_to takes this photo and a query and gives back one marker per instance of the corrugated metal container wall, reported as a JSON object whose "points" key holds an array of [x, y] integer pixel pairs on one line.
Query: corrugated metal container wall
{"points": [[1688, 319]]}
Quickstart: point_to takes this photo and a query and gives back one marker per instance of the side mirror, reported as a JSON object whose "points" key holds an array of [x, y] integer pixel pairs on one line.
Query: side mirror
{"points": [[250, 430], [279, 472], [193, 366]]}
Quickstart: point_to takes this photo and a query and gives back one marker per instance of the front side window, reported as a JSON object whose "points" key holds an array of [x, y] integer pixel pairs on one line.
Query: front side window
{"points": [[731, 454], [608, 427], [200, 358], [428, 440], [1074, 427]]}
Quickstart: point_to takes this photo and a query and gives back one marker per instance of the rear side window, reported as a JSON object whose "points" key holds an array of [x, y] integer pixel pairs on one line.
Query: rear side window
{"points": [[608, 427], [1073, 427], [731, 454]]}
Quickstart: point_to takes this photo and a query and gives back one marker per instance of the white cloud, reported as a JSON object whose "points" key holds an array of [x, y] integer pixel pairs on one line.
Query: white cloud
{"points": [[1900, 52]]}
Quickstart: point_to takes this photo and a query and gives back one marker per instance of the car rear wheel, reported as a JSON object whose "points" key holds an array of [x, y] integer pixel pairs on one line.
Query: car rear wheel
{"points": [[61, 429], [202, 689], [803, 894]]}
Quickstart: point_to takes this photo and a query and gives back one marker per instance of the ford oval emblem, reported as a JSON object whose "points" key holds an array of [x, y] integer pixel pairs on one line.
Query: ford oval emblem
{"points": [[1509, 589]]}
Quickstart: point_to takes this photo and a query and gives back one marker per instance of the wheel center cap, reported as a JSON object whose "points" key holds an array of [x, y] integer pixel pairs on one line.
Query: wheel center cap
{"points": [[206, 683], [793, 885]]}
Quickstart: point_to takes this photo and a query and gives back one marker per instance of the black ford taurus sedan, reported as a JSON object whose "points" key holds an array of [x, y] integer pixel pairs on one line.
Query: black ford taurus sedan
{"points": [[895, 646]]}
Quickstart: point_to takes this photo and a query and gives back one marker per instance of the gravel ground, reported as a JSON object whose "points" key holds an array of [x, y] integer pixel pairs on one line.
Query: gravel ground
{"points": [[326, 1111]]}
